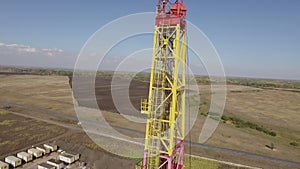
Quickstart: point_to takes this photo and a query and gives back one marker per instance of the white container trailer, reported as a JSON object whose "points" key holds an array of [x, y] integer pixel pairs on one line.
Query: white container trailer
{"points": [[57, 163], [66, 158], [76, 156], [45, 150], [14, 161], [45, 166], [35, 152], [3, 165], [25, 156], [52, 147], [69, 158]]}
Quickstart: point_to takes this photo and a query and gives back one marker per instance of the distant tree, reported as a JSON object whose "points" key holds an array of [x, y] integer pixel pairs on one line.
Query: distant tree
{"points": [[295, 144]]}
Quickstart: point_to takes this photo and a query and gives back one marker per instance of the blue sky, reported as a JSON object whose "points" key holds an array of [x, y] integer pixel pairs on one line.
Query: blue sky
{"points": [[255, 38]]}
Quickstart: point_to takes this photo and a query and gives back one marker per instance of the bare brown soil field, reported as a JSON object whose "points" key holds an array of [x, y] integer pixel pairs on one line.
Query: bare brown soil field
{"points": [[15, 138], [18, 132], [137, 90], [52, 93], [92, 154], [276, 110]]}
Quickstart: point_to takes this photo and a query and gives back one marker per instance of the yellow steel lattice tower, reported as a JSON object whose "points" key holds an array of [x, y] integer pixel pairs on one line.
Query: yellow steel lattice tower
{"points": [[165, 106]]}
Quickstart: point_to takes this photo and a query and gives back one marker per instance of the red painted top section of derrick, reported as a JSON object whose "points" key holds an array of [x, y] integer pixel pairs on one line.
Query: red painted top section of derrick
{"points": [[171, 13]]}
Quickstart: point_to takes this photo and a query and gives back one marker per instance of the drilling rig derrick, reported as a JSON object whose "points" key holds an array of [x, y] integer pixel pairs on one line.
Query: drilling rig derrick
{"points": [[165, 106]]}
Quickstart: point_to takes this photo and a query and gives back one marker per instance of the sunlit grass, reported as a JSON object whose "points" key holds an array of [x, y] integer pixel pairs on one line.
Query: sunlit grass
{"points": [[7, 123], [197, 163], [2, 112]]}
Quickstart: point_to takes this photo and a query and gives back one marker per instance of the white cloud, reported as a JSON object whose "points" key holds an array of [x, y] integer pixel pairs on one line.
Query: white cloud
{"points": [[52, 52], [25, 55], [19, 48]]}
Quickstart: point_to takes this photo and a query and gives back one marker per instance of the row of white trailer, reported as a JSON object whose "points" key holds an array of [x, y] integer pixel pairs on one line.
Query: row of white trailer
{"points": [[64, 158], [28, 156], [52, 164]]}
